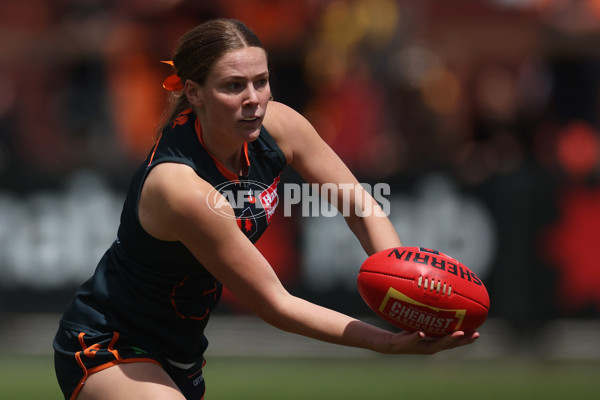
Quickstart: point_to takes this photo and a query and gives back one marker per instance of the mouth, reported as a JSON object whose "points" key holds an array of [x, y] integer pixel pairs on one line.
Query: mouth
{"points": [[252, 121]]}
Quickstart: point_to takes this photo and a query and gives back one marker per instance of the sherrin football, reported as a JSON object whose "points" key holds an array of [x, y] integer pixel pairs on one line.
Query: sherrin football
{"points": [[418, 289]]}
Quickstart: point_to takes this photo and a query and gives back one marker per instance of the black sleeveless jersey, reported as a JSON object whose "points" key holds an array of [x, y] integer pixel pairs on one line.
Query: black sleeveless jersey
{"points": [[156, 291]]}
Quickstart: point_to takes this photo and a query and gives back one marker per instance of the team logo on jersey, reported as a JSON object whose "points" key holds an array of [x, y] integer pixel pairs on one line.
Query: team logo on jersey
{"points": [[247, 223], [269, 199], [242, 196]]}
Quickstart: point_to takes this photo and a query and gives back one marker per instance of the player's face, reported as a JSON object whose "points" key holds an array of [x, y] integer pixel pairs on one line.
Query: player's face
{"points": [[236, 94]]}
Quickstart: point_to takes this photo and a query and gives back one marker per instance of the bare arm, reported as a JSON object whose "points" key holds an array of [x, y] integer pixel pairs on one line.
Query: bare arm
{"points": [[173, 207], [317, 163]]}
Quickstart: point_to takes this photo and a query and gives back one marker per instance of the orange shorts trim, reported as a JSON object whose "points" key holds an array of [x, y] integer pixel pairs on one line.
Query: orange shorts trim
{"points": [[79, 354], [91, 352]]}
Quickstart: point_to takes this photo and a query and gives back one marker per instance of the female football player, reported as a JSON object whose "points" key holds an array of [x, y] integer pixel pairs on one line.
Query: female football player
{"points": [[136, 328]]}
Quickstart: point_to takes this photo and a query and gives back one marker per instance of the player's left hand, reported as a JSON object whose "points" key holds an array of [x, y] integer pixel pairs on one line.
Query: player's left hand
{"points": [[419, 343]]}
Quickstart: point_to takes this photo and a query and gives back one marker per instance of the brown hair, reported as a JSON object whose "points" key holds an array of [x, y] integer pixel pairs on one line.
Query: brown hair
{"points": [[199, 49]]}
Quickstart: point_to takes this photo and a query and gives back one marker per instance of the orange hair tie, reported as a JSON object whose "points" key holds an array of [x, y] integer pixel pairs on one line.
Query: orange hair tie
{"points": [[173, 82]]}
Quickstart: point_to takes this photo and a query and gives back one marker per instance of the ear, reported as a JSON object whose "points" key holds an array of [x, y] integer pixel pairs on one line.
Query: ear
{"points": [[194, 93]]}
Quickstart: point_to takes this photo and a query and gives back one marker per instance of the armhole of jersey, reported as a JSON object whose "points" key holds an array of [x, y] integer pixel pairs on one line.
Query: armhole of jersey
{"points": [[273, 144], [138, 195]]}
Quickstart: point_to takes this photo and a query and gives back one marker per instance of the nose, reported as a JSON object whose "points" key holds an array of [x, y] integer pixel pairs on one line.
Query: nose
{"points": [[251, 96]]}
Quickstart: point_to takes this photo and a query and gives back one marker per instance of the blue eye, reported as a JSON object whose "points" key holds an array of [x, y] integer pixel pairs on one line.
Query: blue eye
{"points": [[234, 86]]}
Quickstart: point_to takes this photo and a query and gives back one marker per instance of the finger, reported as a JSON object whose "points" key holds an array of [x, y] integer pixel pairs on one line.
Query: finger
{"points": [[464, 339], [450, 340], [445, 342]]}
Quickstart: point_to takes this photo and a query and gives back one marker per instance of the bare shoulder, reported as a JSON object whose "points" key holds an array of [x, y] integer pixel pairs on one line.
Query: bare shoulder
{"points": [[281, 114], [287, 126], [173, 183], [173, 195]]}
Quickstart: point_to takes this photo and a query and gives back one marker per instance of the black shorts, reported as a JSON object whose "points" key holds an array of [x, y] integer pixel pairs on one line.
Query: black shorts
{"points": [[77, 355]]}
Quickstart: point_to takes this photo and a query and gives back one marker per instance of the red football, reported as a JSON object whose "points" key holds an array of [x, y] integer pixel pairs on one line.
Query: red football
{"points": [[415, 288]]}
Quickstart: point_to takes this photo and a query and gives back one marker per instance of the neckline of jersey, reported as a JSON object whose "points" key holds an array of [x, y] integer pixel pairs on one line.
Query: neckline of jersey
{"points": [[244, 158]]}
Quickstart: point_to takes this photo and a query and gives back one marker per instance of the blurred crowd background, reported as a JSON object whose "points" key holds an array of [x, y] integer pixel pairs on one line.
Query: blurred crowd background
{"points": [[482, 115]]}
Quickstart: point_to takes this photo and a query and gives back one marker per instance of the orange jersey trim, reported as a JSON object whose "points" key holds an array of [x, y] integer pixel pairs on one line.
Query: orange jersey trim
{"points": [[154, 150], [222, 169], [180, 120]]}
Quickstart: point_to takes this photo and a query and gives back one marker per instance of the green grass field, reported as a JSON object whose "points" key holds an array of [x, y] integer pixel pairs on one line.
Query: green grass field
{"points": [[372, 378]]}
